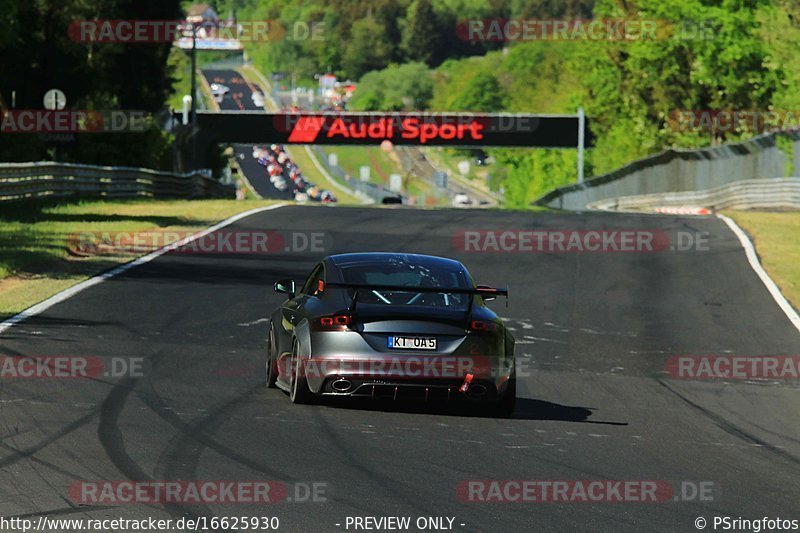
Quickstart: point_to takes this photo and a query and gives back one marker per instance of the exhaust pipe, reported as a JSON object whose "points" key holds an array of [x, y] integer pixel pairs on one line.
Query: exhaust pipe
{"points": [[341, 385], [477, 390]]}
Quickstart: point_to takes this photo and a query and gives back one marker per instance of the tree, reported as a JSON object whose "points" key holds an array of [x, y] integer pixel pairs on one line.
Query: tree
{"points": [[396, 88], [422, 34], [367, 49], [39, 55], [482, 93]]}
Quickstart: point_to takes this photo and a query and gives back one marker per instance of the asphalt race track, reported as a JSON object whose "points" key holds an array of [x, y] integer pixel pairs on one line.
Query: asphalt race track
{"points": [[240, 99], [595, 331], [240, 96], [257, 175]]}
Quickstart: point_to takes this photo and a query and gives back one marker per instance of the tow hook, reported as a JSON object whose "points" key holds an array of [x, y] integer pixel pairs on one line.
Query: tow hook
{"points": [[465, 386]]}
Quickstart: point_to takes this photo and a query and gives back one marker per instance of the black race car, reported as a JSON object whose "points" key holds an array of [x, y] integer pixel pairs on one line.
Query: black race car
{"points": [[391, 325]]}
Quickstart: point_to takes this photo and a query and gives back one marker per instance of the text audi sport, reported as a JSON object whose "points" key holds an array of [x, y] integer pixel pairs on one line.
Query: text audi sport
{"points": [[390, 325]]}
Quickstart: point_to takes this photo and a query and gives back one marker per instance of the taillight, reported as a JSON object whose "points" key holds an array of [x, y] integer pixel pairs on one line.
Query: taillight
{"points": [[333, 322], [483, 326]]}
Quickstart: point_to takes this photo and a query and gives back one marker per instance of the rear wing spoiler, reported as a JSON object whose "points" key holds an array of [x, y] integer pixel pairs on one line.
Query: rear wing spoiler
{"points": [[480, 290]]}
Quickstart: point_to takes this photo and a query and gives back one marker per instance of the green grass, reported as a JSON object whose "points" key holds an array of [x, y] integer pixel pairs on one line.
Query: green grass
{"points": [[448, 159], [352, 158], [35, 261], [775, 235]]}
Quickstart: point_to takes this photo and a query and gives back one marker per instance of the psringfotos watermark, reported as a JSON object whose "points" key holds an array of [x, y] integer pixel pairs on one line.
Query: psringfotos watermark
{"points": [[47, 367], [577, 241], [188, 492], [93, 243], [550, 491], [755, 525], [734, 367], [595, 30]]}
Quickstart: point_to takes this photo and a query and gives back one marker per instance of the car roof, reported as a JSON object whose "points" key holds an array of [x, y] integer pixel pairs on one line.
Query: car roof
{"points": [[343, 260]]}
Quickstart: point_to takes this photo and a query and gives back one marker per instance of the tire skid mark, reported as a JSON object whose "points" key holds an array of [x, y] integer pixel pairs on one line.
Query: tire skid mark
{"points": [[200, 434], [393, 489], [732, 429], [32, 450], [113, 443]]}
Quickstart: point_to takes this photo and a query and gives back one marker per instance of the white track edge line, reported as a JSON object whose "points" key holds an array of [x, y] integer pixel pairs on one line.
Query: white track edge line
{"points": [[755, 264], [94, 280]]}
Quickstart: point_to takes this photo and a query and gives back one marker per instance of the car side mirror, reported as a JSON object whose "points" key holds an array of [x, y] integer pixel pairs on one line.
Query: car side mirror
{"points": [[486, 297], [285, 286]]}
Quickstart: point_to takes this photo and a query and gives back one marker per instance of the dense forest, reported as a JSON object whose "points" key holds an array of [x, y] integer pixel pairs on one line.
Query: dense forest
{"points": [[410, 55], [706, 55], [37, 54]]}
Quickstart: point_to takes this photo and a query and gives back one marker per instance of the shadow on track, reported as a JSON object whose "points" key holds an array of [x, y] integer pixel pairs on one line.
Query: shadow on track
{"points": [[526, 409]]}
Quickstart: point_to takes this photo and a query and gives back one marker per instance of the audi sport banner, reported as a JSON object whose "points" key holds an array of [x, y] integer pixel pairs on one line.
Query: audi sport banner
{"points": [[418, 129]]}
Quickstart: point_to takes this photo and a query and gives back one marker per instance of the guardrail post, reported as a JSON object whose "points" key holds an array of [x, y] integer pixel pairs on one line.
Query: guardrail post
{"points": [[581, 135]]}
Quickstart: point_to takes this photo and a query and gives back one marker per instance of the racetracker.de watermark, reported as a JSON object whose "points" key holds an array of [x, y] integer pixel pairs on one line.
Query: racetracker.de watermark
{"points": [[583, 491], [182, 491], [404, 367], [577, 241], [74, 121], [738, 367], [733, 121], [93, 243], [49, 367], [601, 29], [137, 31]]}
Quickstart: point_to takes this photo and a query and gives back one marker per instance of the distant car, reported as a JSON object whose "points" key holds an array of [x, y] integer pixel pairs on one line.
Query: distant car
{"points": [[391, 200], [368, 324], [461, 200], [218, 91]]}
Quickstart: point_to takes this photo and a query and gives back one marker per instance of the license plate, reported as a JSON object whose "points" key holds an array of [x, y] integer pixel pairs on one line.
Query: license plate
{"points": [[412, 343]]}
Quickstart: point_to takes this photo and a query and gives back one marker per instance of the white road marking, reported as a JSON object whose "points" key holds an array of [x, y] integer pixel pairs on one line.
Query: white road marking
{"points": [[254, 322], [752, 258], [96, 280]]}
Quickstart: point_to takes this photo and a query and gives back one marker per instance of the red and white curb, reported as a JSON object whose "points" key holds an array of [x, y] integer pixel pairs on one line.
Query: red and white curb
{"points": [[687, 210]]}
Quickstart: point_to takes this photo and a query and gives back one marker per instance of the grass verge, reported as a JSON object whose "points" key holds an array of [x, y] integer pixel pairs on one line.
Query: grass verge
{"points": [[35, 260], [776, 236], [352, 158]]}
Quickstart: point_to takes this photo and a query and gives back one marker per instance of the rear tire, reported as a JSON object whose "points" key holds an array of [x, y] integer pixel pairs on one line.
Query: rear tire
{"points": [[300, 393], [272, 362], [505, 406]]}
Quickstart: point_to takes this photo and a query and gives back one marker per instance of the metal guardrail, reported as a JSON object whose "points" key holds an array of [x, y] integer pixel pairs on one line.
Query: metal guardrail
{"points": [[371, 190], [745, 194], [20, 181], [683, 170]]}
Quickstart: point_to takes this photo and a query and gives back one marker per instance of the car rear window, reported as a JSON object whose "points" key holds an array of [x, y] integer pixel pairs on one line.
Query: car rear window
{"points": [[405, 273]]}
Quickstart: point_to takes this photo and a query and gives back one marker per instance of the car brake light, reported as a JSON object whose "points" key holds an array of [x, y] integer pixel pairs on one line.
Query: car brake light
{"points": [[483, 326], [334, 322]]}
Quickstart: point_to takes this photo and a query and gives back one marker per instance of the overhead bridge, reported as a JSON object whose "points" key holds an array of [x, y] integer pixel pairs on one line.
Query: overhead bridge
{"points": [[407, 129]]}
